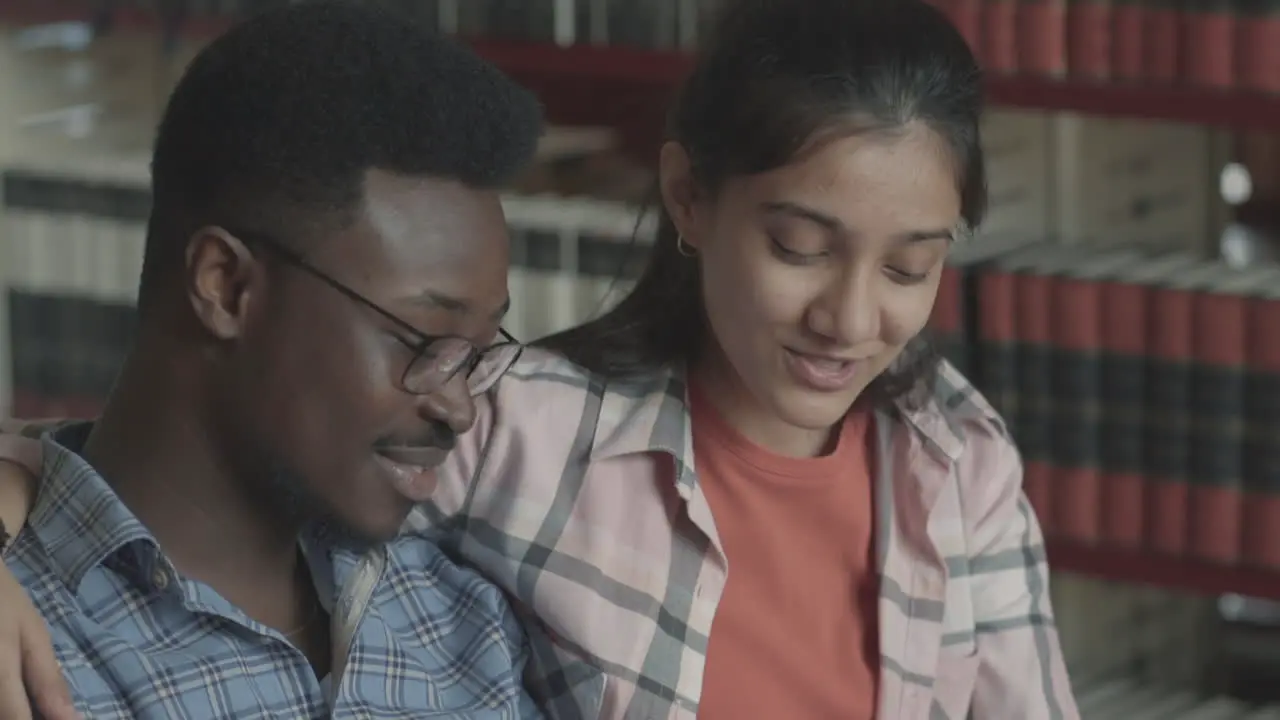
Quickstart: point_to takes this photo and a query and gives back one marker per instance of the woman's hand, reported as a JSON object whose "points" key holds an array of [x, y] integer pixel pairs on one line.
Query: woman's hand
{"points": [[17, 487], [30, 679]]}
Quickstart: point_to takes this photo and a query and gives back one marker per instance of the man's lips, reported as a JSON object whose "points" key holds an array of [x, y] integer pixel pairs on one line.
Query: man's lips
{"points": [[411, 470], [420, 457]]}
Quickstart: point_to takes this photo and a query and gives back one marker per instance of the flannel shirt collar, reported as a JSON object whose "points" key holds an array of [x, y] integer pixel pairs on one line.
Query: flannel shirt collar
{"points": [[79, 519], [651, 414]]}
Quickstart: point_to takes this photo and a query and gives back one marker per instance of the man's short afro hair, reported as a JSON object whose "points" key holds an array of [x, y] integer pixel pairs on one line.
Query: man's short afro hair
{"points": [[291, 108]]}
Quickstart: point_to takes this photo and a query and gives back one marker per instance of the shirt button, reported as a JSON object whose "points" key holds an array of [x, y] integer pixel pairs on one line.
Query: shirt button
{"points": [[161, 579]]}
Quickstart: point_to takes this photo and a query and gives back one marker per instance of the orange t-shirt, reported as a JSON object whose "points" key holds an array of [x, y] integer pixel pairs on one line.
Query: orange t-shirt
{"points": [[795, 634]]}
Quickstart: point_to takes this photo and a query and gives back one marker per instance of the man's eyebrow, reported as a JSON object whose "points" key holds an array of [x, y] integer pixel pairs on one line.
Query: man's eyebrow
{"points": [[449, 303], [833, 224]]}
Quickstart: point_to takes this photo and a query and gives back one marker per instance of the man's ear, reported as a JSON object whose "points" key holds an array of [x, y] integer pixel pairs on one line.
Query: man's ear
{"points": [[220, 275]]}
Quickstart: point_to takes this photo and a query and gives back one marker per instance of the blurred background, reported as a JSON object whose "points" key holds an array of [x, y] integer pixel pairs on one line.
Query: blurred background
{"points": [[1121, 306]]}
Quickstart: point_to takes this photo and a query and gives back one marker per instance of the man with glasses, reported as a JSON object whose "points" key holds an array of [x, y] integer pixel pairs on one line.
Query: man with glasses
{"points": [[324, 279]]}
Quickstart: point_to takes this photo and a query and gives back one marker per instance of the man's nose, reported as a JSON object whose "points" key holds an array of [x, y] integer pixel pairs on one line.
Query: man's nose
{"points": [[451, 404]]}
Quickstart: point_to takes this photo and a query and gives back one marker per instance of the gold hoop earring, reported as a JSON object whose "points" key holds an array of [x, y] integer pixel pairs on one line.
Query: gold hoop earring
{"points": [[685, 248]]}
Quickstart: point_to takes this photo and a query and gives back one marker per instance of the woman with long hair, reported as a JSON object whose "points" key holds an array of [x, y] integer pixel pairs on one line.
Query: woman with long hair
{"points": [[751, 490]]}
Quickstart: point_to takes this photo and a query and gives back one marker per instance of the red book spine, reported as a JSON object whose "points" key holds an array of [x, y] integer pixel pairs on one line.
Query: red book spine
{"points": [[1042, 37], [1000, 36], [1262, 452], [1124, 343], [1167, 419], [946, 321], [1035, 391], [1217, 426], [1076, 319], [966, 16], [1128, 31], [1208, 43], [998, 359], [1089, 26], [1258, 45], [1161, 41]]}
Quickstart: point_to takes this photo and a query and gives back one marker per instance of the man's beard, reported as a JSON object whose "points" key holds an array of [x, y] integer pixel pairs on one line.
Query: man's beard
{"points": [[287, 491]]}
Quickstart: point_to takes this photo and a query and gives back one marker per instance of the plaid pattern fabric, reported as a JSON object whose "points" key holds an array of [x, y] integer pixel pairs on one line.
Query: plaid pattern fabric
{"points": [[422, 636], [580, 498]]}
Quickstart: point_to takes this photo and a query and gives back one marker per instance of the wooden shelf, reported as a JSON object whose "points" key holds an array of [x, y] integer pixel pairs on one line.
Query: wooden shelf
{"points": [[1144, 568], [587, 83], [1233, 109]]}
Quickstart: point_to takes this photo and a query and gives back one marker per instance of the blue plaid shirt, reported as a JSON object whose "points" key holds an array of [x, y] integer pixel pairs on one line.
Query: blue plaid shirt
{"points": [[425, 637]]}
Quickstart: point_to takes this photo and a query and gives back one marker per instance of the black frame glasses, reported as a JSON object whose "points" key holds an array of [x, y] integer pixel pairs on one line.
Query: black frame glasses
{"points": [[436, 359]]}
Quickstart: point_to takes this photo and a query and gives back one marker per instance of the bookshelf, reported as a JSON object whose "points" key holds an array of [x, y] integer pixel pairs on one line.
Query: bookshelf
{"points": [[607, 69], [1157, 570], [584, 79]]}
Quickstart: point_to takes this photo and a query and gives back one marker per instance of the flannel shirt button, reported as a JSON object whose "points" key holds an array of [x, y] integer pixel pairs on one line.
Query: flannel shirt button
{"points": [[161, 579]]}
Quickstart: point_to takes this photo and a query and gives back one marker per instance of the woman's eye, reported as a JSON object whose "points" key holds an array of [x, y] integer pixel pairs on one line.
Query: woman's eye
{"points": [[794, 255], [906, 277]]}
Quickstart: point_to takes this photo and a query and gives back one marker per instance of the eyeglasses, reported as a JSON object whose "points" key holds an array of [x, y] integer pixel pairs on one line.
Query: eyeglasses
{"points": [[436, 360]]}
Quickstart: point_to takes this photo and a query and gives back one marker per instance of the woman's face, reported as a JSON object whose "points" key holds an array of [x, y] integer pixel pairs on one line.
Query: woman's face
{"points": [[816, 275]]}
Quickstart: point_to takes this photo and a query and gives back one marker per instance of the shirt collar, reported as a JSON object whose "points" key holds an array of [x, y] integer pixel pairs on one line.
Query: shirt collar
{"points": [[651, 414], [78, 519]]}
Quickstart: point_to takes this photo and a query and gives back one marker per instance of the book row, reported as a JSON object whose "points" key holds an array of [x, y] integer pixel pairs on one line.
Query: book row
{"points": [[1231, 44], [1143, 390], [1204, 44], [72, 250]]}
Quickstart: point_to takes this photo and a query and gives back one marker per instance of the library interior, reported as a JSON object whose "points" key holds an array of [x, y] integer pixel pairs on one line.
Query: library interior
{"points": [[1132, 239]]}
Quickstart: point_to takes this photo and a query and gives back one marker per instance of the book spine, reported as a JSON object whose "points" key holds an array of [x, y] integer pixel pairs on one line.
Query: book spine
{"points": [[1122, 399], [1089, 34], [1042, 37], [997, 357], [1262, 451], [84, 234], [1258, 45], [966, 16], [63, 343], [1161, 42], [1208, 43], [518, 284], [542, 314], [45, 270], [1216, 426], [1076, 319], [945, 321], [1035, 393], [999, 36], [997, 338], [1128, 33], [1167, 420], [14, 235], [21, 336], [969, 323]]}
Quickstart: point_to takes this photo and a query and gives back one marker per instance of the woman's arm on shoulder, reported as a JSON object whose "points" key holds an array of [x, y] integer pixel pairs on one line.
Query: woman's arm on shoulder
{"points": [[1022, 673], [30, 679], [20, 460]]}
